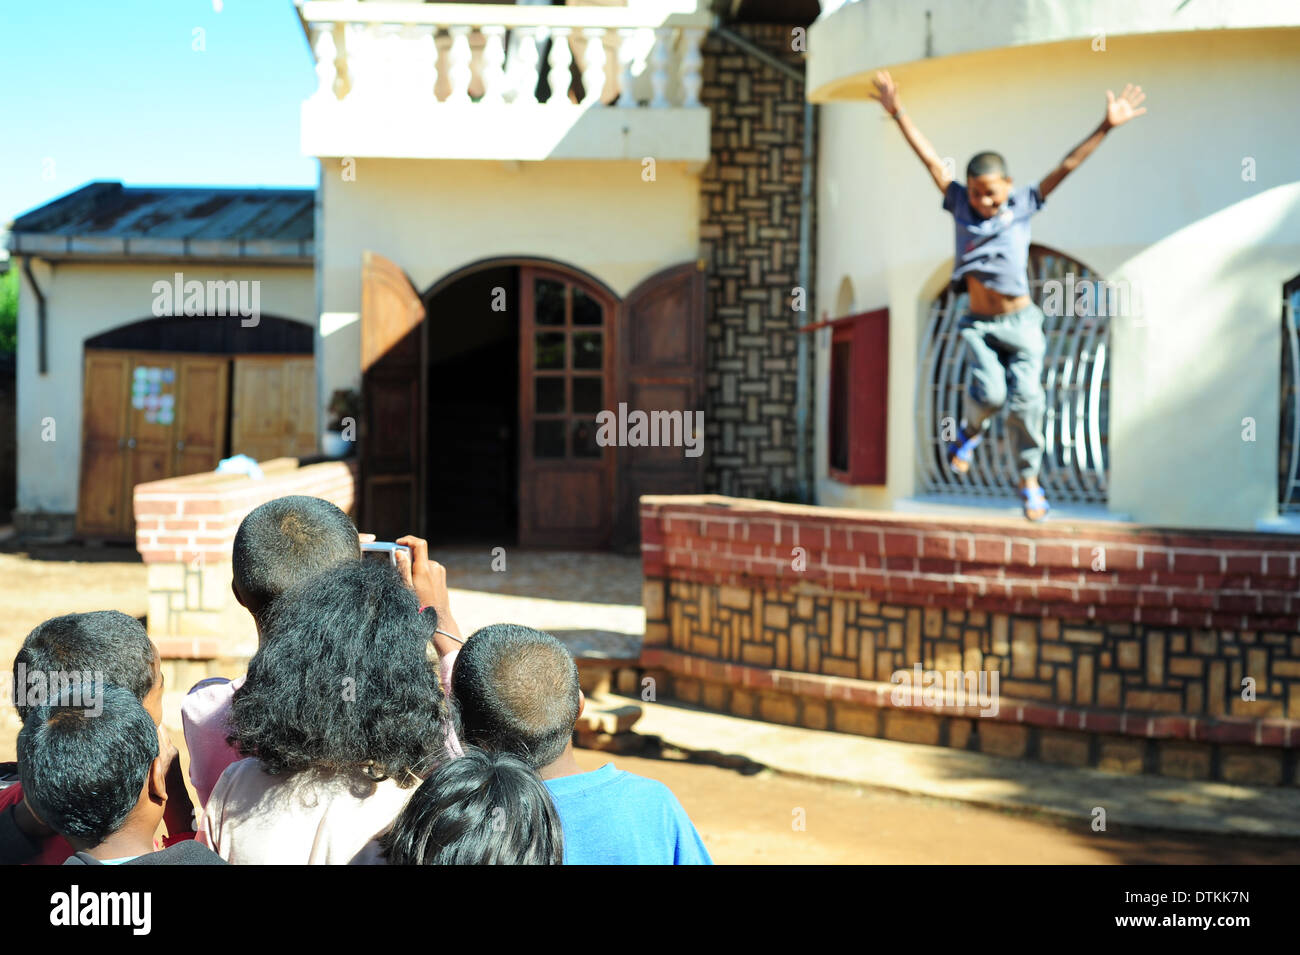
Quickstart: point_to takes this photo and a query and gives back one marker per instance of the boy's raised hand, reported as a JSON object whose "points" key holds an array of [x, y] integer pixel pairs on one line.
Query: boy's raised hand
{"points": [[428, 579], [1120, 110], [886, 92]]}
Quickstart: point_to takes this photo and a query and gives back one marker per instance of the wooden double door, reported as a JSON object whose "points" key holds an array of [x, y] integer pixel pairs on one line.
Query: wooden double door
{"points": [[581, 352], [150, 415]]}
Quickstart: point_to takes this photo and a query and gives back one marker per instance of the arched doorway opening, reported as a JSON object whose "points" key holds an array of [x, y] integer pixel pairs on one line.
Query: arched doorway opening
{"points": [[482, 398]]}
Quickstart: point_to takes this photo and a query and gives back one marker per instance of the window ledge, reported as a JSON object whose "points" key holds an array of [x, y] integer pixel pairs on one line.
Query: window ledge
{"points": [[1006, 507]]}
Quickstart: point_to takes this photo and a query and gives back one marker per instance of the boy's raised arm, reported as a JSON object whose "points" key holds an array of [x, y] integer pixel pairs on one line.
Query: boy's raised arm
{"points": [[887, 94], [1118, 112]]}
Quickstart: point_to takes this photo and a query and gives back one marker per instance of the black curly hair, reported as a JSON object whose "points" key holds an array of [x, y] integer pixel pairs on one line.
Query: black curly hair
{"points": [[481, 809], [346, 679]]}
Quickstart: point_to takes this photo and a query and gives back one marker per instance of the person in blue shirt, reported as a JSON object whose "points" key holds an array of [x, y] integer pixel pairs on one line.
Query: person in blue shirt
{"points": [[1003, 329], [517, 692]]}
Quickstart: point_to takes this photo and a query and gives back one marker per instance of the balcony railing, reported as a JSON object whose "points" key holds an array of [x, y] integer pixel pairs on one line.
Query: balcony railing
{"points": [[479, 74]]}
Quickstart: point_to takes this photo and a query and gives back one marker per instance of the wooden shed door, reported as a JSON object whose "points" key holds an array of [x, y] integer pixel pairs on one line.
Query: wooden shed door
{"points": [[565, 379], [661, 368], [146, 416], [394, 399], [103, 509], [274, 409]]}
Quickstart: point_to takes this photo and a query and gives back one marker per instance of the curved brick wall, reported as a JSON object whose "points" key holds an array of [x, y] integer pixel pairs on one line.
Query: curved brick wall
{"points": [[1117, 646]]}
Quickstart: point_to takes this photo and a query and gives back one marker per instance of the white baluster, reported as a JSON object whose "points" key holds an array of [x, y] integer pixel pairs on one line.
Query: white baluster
{"points": [[692, 62], [342, 76], [659, 77], [561, 60], [494, 57], [525, 71], [419, 60], [593, 75], [326, 74], [627, 48], [459, 57]]}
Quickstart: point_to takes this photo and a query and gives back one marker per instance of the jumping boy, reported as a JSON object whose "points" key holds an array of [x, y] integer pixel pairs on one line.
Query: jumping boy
{"points": [[1003, 328]]}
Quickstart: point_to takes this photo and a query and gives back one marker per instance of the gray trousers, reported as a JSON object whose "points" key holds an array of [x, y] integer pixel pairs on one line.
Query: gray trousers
{"points": [[1007, 352]]}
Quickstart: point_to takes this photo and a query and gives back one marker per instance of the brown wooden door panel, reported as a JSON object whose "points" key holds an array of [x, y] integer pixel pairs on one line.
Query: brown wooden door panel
{"points": [[661, 369], [566, 359], [394, 398], [274, 408], [201, 414], [102, 508]]}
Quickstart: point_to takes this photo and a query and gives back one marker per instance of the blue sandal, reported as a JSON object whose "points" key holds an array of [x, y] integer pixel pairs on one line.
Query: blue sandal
{"points": [[963, 452], [1035, 498]]}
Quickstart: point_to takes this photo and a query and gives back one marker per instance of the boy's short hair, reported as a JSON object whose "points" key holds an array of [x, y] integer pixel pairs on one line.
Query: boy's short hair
{"points": [[986, 164], [517, 692], [107, 643], [481, 809], [83, 773], [287, 541]]}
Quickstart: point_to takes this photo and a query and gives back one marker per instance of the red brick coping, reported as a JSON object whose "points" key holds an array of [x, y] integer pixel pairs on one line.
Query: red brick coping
{"points": [[1207, 579], [194, 518]]}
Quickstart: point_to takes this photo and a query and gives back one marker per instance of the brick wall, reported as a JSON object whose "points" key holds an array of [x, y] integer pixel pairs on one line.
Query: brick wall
{"points": [[749, 240], [1092, 628], [185, 529]]}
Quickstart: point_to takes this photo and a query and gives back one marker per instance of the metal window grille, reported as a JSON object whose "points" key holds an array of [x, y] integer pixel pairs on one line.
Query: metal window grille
{"points": [[1289, 439], [1076, 378]]}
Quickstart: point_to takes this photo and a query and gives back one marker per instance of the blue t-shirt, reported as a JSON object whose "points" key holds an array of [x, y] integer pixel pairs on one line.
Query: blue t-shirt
{"points": [[612, 817], [994, 250]]}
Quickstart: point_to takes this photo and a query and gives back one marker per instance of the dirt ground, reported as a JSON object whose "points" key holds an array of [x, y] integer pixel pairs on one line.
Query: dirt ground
{"points": [[743, 817]]}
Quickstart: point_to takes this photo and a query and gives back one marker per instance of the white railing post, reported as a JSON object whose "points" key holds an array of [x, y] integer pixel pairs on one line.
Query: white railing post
{"points": [[561, 60], [627, 46], [692, 62], [660, 57], [326, 71], [593, 75], [525, 71], [494, 57], [459, 73]]}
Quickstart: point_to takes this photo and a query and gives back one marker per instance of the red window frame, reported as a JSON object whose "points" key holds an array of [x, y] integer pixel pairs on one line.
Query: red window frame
{"points": [[867, 336]]}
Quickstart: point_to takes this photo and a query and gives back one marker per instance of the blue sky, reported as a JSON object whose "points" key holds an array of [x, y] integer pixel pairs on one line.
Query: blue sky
{"points": [[113, 89]]}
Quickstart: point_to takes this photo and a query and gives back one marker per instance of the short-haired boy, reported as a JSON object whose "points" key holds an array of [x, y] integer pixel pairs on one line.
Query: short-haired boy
{"points": [[1003, 329], [517, 692], [98, 777]]}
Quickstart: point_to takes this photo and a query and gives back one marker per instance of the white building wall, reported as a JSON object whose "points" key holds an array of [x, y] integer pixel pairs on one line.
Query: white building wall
{"points": [[433, 217], [84, 300], [1163, 204]]}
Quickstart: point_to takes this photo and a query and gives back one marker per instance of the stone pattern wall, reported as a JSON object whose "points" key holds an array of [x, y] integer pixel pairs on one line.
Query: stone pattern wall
{"points": [[1116, 646], [749, 241], [1121, 666]]}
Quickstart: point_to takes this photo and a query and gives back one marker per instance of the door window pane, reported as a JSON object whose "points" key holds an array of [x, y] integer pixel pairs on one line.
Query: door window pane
{"points": [[548, 439], [587, 395], [586, 310], [549, 396], [588, 350], [584, 439], [549, 352], [548, 302]]}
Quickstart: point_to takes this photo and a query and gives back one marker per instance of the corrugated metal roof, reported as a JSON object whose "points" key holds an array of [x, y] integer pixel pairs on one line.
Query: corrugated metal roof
{"points": [[109, 220]]}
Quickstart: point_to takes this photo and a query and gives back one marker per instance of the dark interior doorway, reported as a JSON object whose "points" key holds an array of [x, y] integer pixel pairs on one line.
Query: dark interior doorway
{"points": [[473, 439]]}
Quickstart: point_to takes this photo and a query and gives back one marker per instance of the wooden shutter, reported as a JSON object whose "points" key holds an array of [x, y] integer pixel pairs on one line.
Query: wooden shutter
{"points": [[661, 368], [393, 394], [859, 405]]}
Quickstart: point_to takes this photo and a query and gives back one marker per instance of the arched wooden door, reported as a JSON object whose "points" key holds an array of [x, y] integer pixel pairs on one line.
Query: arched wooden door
{"points": [[566, 378], [660, 368]]}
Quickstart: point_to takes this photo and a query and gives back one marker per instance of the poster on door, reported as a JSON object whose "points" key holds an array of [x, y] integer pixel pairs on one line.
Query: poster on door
{"points": [[152, 393]]}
